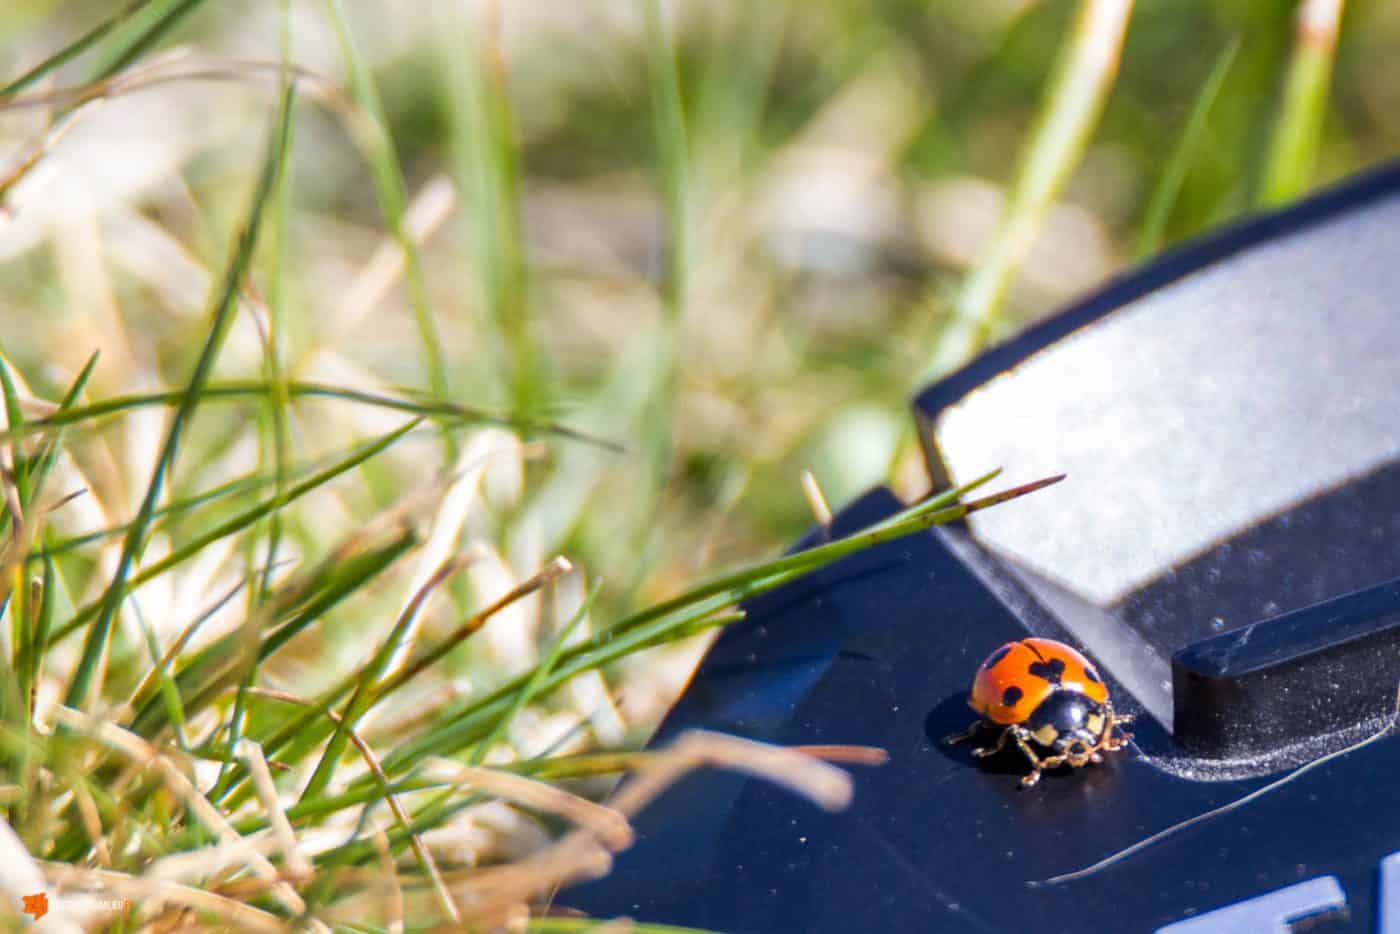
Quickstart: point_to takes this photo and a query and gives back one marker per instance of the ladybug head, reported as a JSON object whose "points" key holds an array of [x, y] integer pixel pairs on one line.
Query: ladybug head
{"points": [[1069, 724]]}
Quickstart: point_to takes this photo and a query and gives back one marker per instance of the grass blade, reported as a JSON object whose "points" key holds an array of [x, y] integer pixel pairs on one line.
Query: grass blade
{"points": [[279, 402], [31, 662], [178, 508], [47, 454], [532, 687], [681, 615], [141, 28], [389, 186], [223, 662], [242, 521], [83, 687], [19, 463], [240, 390], [72, 50], [1297, 132], [1083, 78], [1164, 195], [471, 722], [362, 699], [656, 418], [668, 115], [484, 148], [305, 732]]}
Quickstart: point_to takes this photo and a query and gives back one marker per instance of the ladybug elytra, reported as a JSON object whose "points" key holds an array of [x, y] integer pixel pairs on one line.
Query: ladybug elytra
{"points": [[1048, 699]]}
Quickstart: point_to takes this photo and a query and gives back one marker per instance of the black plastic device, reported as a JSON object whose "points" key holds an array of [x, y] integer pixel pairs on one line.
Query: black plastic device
{"points": [[1226, 547]]}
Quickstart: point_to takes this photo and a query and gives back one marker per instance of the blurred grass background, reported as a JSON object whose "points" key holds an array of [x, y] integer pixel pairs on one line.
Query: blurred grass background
{"points": [[731, 238]]}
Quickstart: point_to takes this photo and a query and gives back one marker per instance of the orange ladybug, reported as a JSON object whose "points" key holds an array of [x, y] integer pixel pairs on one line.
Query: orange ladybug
{"points": [[1048, 698]]}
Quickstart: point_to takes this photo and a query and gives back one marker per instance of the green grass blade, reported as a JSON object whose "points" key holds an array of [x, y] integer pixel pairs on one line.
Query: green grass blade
{"points": [[1297, 133], [303, 733], [321, 808], [340, 582], [694, 628], [1164, 195], [250, 390], [531, 690], [178, 508], [32, 664], [668, 115], [13, 704], [169, 694], [468, 724], [389, 187], [279, 401], [72, 50], [223, 663], [175, 651], [83, 687], [244, 520], [140, 29], [362, 699], [35, 640], [935, 506], [656, 427], [47, 454], [484, 148], [358, 851], [1083, 77], [471, 723], [548, 767], [45, 621], [15, 417], [30, 659]]}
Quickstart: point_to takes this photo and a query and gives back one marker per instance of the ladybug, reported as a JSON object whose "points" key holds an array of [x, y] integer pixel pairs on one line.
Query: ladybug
{"points": [[1049, 700]]}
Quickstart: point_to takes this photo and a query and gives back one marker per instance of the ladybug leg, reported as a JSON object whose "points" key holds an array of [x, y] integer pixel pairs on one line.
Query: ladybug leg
{"points": [[952, 739], [1054, 762], [1022, 735], [1116, 723], [983, 752]]}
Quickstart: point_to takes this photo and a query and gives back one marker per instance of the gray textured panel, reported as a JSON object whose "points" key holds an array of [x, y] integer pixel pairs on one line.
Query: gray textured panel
{"points": [[1167, 414]]}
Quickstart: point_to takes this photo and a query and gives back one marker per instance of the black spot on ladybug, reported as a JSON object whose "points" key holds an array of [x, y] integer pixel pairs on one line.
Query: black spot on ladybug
{"points": [[1051, 671], [1091, 674], [996, 657], [1010, 696]]}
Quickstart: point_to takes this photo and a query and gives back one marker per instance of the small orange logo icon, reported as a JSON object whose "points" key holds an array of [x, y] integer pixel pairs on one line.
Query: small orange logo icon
{"points": [[36, 905]]}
